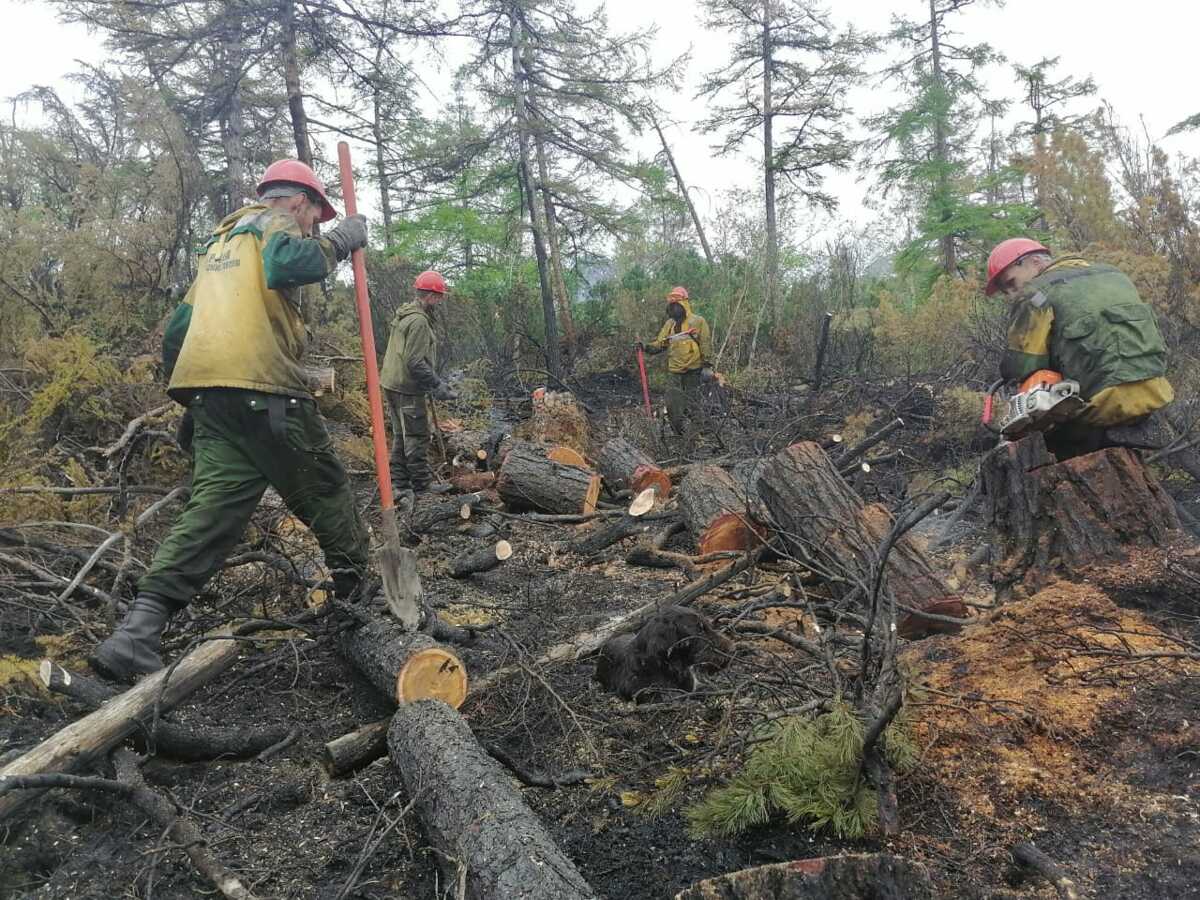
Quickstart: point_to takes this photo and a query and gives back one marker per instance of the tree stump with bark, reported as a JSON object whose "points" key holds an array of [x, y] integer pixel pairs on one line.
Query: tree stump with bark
{"points": [[1057, 519], [831, 529], [474, 817], [865, 876], [716, 512], [528, 480], [625, 467]]}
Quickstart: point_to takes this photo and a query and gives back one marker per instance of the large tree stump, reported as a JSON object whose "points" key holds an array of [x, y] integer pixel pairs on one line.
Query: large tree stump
{"points": [[829, 527], [474, 817], [1053, 519], [405, 666], [625, 467], [528, 480], [716, 512], [867, 876]]}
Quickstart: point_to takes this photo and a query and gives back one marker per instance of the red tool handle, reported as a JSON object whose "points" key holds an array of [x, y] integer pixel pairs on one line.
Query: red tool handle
{"points": [[645, 384], [374, 395], [986, 418]]}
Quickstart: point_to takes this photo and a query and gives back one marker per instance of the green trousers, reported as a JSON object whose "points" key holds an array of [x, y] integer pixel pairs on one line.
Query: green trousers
{"points": [[409, 461], [243, 442], [683, 402]]}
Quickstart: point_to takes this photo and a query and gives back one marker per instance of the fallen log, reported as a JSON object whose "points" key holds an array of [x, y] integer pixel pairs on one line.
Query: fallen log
{"points": [[488, 839], [87, 739], [359, 748], [716, 511], [1030, 858], [454, 509], [624, 467], [1054, 519], [405, 666], [528, 480], [849, 877], [604, 536], [170, 739], [829, 528], [483, 560]]}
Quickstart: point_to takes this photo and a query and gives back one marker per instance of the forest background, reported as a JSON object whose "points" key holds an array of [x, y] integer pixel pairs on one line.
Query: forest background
{"points": [[535, 152]]}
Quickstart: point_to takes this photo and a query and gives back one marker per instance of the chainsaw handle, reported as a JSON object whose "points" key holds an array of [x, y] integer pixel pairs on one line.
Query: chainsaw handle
{"points": [[989, 407]]}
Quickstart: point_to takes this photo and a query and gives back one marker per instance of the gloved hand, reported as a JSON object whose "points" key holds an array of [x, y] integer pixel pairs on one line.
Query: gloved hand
{"points": [[652, 350], [349, 235], [442, 392], [706, 373]]}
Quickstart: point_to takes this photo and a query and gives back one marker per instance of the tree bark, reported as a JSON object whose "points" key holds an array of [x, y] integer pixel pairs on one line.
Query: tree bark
{"points": [[89, 738], [768, 112], [941, 153], [489, 840], [1056, 519], [849, 877], [291, 81], [829, 528], [624, 467], [482, 560], [528, 480], [405, 666], [717, 512], [555, 248]]}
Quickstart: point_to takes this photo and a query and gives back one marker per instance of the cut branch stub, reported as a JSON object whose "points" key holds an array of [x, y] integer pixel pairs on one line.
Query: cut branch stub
{"points": [[528, 480]]}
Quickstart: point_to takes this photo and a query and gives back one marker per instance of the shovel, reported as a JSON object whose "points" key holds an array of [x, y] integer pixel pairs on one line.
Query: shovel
{"points": [[397, 564]]}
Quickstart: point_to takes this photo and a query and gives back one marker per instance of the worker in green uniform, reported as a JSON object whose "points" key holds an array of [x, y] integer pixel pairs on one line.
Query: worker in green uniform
{"points": [[234, 348], [1086, 322], [686, 337], [408, 377]]}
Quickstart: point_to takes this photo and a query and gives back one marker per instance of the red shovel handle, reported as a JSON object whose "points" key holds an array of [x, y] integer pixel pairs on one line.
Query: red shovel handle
{"points": [[645, 384], [367, 333]]}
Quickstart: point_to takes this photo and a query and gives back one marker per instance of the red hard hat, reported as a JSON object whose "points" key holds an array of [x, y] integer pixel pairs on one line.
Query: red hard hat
{"points": [[430, 280], [678, 293], [1005, 254], [292, 171]]}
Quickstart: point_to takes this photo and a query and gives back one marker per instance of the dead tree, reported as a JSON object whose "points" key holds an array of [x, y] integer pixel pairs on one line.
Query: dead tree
{"points": [[829, 528], [1056, 519]]}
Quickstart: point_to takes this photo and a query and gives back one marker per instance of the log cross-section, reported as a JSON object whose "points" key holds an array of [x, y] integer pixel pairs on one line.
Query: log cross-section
{"points": [[829, 527], [717, 511], [405, 666]]}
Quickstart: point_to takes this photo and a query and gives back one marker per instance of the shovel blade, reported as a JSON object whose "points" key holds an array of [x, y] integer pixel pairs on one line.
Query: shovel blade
{"points": [[401, 581]]}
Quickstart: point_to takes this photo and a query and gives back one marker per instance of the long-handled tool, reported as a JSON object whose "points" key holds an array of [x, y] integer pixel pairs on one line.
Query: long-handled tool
{"points": [[641, 356], [397, 564]]}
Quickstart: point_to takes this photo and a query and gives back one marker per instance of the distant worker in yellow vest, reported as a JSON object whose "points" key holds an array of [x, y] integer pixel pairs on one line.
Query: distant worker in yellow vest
{"points": [[408, 377], [234, 349], [1086, 322], [686, 337]]}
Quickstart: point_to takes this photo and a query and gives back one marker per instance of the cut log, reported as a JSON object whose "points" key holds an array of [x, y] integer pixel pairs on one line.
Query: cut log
{"points": [[851, 877], [829, 528], [428, 516], [625, 467], [481, 560], [474, 817], [190, 743], [405, 666], [716, 511], [745, 475], [359, 748], [87, 739], [528, 480], [1056, 519]]}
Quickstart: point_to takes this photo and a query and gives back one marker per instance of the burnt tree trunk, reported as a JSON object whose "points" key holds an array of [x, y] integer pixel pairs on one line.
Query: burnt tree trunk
{"points": [[849, 877], [474, 817], [716, 512], [528, 480], [405, 666], [1054, 519], [625, 467], [830, 529]]}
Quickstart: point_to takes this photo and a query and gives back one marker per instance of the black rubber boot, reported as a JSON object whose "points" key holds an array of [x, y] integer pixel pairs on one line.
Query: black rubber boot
{"points": [[132, 649]]}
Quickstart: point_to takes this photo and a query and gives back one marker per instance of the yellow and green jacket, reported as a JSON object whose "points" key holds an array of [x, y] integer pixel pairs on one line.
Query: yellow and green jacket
{"points": [[408, 363], [688, 344], [1087, 322], [243, 323]]}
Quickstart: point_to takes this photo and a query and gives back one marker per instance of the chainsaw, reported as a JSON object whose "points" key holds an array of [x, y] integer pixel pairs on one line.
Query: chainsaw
{"points": [[1043, 399]]}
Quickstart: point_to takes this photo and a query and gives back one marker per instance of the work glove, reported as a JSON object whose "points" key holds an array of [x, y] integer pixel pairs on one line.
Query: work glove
{"points": [[653, 350], [349, 235], [442, 392]]}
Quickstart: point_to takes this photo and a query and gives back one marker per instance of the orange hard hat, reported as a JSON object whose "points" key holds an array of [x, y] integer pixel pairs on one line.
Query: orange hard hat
{"points": [[678, 293], [292, 171], [1005, 254], [430, 280]]}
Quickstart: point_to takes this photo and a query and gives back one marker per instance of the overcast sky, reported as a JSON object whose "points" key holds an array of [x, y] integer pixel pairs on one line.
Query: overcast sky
{"points": [[1142, 58]]}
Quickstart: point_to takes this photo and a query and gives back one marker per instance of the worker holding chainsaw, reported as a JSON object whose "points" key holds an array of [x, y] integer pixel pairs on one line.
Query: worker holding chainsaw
{"points": [[1084, 347], [686, 337], [407, 377], [233, 349]]}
